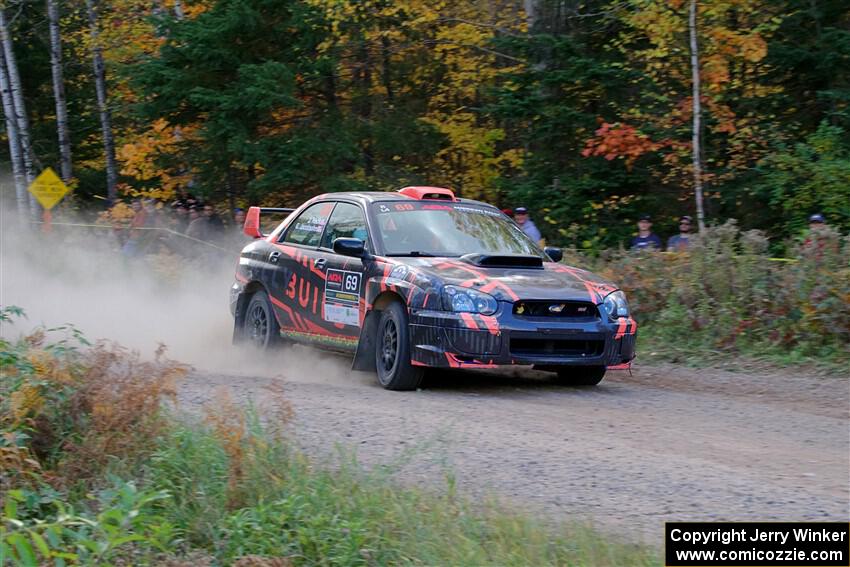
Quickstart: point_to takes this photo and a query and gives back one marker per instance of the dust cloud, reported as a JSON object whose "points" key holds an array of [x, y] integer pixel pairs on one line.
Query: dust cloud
{"points": [[79, 276]]}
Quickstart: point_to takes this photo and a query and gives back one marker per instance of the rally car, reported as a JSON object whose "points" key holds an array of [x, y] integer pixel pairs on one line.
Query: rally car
{"points": [[421, 279]]}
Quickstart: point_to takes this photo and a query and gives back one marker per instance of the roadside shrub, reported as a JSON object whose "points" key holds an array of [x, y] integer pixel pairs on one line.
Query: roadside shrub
{"points": [[726, 294], [69, 410]]}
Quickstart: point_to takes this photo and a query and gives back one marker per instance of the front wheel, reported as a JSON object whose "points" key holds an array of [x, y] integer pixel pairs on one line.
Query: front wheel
{"points": [[392, 351], [260, 327], [581, 375]]}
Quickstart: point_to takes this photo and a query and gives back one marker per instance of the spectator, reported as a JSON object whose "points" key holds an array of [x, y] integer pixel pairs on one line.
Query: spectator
{"points": [[194, 212], [199, 225], [207, 227], [181, 216], [133, 245], [527, 225], [816, 222], [819, 239], [215, 222], [238, 219], [646, 239], [236, 238], [679, 242]]}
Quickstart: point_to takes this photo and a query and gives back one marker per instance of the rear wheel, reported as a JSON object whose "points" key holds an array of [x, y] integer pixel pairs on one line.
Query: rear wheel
{"points": [[581, 375], [260, 327], [392, 351]]}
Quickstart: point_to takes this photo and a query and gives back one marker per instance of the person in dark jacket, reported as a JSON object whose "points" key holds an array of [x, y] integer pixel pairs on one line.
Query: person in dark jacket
{"points": [[645, 239]]}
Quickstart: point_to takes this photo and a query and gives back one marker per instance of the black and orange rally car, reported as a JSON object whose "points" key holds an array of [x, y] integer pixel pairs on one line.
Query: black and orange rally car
{"points": [[421, 279]]}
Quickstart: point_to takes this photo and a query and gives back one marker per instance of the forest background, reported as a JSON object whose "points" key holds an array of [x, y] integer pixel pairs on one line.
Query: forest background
{"points": [[580, 110]]}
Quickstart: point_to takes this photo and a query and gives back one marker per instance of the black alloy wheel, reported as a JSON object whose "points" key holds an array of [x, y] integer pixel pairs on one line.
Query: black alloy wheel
{"points": [[392, 351], [260, 327]]}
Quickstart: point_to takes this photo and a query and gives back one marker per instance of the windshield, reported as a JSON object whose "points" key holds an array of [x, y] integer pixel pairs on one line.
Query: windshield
{"points": [[437, 229]]}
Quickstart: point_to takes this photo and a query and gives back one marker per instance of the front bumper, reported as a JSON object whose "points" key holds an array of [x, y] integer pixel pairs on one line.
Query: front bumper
{"points": [[462, 340]]}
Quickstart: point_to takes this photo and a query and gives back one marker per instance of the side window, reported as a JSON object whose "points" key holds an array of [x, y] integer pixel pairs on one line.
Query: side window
{"points": [[347, 221], [308, 227]]}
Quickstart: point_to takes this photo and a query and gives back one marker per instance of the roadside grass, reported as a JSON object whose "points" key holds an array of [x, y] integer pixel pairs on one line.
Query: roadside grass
{"points": [[659, 344], [345, 515], [94, 473]]}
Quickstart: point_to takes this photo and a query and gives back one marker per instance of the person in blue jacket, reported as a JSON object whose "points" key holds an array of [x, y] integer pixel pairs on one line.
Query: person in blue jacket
{"points": [[527, 225], [679, 242]]}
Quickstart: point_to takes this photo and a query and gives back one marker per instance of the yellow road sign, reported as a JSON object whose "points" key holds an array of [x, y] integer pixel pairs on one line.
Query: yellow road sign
{"points": [[48, 188]]}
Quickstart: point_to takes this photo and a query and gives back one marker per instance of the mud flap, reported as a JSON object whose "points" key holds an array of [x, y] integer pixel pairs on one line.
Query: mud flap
{"points": [[364, 357], [239, 320]]}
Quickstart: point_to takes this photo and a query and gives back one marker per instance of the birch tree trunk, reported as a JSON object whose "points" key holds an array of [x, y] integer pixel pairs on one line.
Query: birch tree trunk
{"points": [[20, 110], [530, 7], [697, 112], [178, 10], [14, 142], [59, 91], [102, 103]]}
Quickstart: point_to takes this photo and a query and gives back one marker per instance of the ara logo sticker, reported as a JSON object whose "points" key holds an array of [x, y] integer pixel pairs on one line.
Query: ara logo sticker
{"points": [[342, 297]]}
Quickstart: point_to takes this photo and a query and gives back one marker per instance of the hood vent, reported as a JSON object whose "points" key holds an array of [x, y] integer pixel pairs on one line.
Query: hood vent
{"points": [[505, 261]]}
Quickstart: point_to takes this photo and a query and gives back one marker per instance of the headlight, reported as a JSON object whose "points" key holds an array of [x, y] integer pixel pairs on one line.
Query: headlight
{"points": [[464, 300], [615, 305]]}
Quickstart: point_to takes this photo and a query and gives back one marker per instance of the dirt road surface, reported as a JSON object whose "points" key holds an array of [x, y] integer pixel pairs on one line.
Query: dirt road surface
{"points": [[667, 443]]}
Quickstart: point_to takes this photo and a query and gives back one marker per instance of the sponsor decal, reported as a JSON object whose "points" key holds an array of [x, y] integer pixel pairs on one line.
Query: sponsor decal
{"points": [[342, 297], [399, 272]]}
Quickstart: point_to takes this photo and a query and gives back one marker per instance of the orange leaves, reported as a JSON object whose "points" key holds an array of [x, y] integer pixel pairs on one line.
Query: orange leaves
{"points": [[614, 141]]}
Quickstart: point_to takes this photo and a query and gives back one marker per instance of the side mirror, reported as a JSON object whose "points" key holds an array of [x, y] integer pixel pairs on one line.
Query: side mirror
{"points": [[350, 247], [555, 253], [252, 223]]}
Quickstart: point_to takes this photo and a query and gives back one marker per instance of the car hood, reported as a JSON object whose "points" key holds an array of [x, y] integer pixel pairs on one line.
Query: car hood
{"points": [[552, 281]]}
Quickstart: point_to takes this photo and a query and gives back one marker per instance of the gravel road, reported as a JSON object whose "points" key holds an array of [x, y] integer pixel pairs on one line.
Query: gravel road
{"points": [[666, 443]]}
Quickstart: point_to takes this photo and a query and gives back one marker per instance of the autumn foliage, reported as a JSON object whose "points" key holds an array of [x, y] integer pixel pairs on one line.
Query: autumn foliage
{"points": [[517, 103]]}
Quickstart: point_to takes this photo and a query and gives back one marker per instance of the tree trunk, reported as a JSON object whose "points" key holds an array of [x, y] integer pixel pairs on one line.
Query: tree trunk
{"points": [[59, 91], [14, 143], [530, 7], [697, 112], [363, 82], [386, 76], [103, 106], [20, 109], [178, 10]]}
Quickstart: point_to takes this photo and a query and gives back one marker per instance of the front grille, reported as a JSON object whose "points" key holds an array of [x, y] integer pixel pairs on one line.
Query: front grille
{"points": [[568, 348], [572, 310]]}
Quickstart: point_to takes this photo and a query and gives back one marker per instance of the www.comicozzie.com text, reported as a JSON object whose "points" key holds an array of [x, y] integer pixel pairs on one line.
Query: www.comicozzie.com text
{"points": [[725, 536]]}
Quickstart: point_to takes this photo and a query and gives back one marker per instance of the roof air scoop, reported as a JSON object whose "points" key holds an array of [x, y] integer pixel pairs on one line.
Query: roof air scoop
{"points": [[434, 193], [503, 261]]}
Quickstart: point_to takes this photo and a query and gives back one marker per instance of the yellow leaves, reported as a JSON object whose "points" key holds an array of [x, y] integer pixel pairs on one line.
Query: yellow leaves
{"points": [[119, 213], [25, 402], [142, 154]]}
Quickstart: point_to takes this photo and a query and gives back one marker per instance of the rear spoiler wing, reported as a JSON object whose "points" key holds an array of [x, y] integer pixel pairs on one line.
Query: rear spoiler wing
{"points": [[252, 219]]}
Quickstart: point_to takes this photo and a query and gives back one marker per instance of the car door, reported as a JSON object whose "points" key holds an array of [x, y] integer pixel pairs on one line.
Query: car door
{"points": [[343, 305], [298, 298]]}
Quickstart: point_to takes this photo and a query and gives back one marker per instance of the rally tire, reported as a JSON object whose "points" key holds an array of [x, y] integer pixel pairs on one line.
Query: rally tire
{"points": [[392, 351], [259, 327], [580, 375]]}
